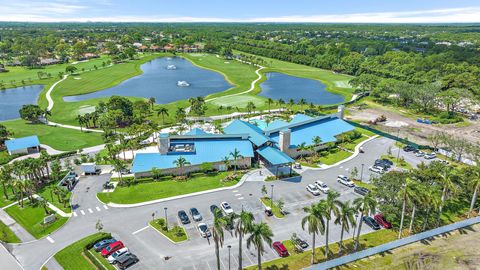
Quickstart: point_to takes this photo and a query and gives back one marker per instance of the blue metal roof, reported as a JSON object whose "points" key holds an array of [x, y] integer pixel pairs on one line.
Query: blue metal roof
{"points": [[256, 135], [300, 118], [274, 156], [325, 128], [196, 131], [276, 124], [206, 150], [22, 143]]}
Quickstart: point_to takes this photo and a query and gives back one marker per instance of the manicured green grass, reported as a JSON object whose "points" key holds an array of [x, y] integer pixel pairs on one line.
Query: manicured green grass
{"points": [[47, 193], [3, 200], [72, 258], [31, 218], [6, 235], [143, 192], [276, 211], [175, 233], [336, 83], [335, 157], [363, 184], [302, 260], [5, 157], [351, 145], [63, 139], [240, 101], [101, 259], [30, 75]]}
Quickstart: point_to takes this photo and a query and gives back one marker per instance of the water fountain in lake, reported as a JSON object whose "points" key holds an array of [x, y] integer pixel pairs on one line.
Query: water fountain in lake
{"points": [[182, 83]]}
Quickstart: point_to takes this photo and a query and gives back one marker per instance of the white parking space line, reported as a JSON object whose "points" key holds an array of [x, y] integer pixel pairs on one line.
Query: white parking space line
{"points": [[235, 191], [194, 266], [83, 212], [139, 230], [240, 198], [238, 194], [50, 239], [90, 210], [105, 206], [208, 265], [223, 264], [74, 214], [98, 208], [248, 257]]}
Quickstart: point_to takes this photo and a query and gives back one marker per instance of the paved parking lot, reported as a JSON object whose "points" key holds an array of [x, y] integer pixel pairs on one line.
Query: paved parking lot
{"points": [[130, 225]]}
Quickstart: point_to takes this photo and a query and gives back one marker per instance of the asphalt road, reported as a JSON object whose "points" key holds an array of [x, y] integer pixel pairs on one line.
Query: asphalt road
{"points": [[130, 225]]}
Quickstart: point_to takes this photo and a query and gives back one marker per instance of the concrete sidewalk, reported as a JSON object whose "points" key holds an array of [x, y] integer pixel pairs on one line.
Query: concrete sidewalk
{"points": [[19, 231]]}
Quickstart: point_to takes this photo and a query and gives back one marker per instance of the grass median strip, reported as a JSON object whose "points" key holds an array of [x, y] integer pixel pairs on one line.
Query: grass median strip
{"points": [[175, 233], [7, 235], [275, 209]]}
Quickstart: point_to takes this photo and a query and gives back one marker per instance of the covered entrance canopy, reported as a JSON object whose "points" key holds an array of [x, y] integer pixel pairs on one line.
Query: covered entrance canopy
{"points": [[275, 157]]}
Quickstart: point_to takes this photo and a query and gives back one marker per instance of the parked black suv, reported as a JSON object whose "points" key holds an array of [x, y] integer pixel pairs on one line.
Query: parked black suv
{"points": [[371, 222], [409, 148], [385, 164], [361, 190], [125, 261], [182, 215]]}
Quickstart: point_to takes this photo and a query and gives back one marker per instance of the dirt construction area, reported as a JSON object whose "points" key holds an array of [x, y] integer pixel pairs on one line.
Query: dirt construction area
{"points": [[409, 128], [455, 250]]}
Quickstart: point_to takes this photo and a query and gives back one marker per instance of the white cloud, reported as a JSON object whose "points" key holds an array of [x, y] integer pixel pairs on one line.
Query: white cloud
{"points": [[73, 11]]}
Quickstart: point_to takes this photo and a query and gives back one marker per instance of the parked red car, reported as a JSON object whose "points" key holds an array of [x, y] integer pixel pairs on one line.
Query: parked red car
{"points": [[112, 248], [280, 249], [380, 219]]}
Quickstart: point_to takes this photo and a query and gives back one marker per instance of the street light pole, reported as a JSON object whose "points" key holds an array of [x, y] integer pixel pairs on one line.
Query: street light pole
{"points": [[166, 219], [271, 198], [361, 174], [398, 136], [229, 247], [355, 227]]}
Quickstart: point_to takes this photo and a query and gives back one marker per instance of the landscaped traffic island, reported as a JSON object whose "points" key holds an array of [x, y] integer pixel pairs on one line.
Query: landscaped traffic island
{"points": [[174, 233], [148, 189]]}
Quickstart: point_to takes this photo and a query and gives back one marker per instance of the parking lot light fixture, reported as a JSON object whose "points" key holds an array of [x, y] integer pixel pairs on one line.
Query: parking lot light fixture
{"points": [[166, 219], [229, 247], [271, 198], [361, 173]]}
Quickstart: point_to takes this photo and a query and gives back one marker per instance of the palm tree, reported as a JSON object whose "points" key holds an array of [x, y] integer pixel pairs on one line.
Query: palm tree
{"points": [[5, 178], [180, 163], [475, 183], [346, 219], [269, 102], [280, 103], [226, 161], [162, 111], [46, 114], [365, 206], [81, 120], [332, 203], [302, 147], [260, 233], [217, 233], [291, 102], [406, 192], [302, 102], [243, 226], [119, 166], [43, 203], [151, 100], [316, 223], [446, 180], [415, 200], [235, 155]]}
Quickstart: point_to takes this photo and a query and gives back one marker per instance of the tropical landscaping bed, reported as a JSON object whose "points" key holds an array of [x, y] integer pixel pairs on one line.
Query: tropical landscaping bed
{"points": [[175, 233], [31, 218], [148, 189], [276, 206]]}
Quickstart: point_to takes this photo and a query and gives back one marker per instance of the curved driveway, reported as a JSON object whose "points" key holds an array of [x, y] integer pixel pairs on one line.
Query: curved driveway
{"points": [[130, 224]]}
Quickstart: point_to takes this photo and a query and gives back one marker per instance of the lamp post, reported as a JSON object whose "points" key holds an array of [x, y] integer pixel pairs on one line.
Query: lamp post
{"points": [[271, 198], [361, 174], [166, 219], [229, 247], [398, 136]]}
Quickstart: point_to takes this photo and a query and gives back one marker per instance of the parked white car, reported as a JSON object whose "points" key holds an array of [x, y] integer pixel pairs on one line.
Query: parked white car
{"points": [[342, 179], [322, 186], [430, 156], [226, 208], [203, 229], [376, 169], [419, 154], [117, 254], [313, 189]]}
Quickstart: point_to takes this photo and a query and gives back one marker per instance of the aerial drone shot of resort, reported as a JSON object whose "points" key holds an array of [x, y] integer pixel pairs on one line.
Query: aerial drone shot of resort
{"points": [[219, 135]]}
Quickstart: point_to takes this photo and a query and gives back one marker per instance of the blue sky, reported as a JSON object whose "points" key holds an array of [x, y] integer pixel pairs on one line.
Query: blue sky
{"points": [[407, 11]]}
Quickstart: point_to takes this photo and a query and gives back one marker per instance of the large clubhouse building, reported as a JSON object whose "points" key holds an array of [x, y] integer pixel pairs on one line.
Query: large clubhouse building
{"points": [[275, 144]]}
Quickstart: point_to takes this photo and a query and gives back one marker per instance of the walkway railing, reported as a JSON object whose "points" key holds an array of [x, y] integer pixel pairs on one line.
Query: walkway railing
{"points": [[394, 244]]}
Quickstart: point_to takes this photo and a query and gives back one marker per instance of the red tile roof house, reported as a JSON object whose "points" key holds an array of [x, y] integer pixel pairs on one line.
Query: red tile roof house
{"points": [[142, 48], [154, 48], [168, 47]]}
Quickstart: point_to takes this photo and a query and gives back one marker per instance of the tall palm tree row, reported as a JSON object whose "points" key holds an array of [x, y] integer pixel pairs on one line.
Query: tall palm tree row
{"points": [[315, 222]]}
